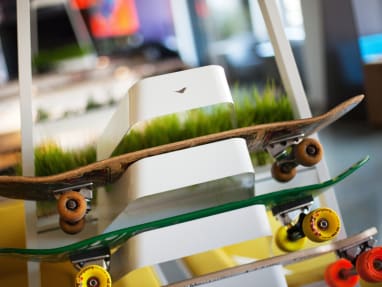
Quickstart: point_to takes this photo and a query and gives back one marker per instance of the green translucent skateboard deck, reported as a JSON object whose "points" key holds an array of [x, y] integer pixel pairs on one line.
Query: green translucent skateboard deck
{"points": [[113, 240]]}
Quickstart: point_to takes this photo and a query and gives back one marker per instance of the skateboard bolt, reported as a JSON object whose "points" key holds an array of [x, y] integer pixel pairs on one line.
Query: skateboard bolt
{"points": [[311, 150], [71, 204], [377, 264], [286, 168], [347, 273], [93, 282], [323, 224]]}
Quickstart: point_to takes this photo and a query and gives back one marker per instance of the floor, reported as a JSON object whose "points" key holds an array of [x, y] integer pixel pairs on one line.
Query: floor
{"points": [[360, 196]]}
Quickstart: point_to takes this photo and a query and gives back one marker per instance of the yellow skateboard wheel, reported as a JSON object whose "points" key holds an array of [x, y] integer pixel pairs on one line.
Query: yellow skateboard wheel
{"points": [[93, 276], [72, 227], [321, 224], [282, 173], [285, 244], [71, 206], [308, 152]]}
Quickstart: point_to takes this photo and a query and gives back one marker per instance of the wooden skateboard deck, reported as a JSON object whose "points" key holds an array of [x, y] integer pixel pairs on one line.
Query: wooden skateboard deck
{"points": [[258, 137], [285, 259], [115, 239]]}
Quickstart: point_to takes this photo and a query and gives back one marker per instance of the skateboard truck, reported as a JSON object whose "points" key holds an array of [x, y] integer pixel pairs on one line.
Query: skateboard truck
{"points": [[278, 148], [86, 190], [351, 253], [100, 256], [282, 211], [356, 260], [318, 225]]}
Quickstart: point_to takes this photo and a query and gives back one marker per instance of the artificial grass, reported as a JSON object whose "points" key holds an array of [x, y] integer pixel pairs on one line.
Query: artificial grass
{"points": [[251, 107], [47, 59]]}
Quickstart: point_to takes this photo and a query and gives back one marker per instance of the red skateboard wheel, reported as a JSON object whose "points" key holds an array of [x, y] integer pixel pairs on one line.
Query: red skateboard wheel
{"points": [[369, 265], [341, 274]]}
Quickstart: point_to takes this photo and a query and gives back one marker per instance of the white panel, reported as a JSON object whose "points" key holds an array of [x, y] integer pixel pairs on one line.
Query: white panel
{"points": [[188, 167], [179, 182], [196, 236], [161, 95]]}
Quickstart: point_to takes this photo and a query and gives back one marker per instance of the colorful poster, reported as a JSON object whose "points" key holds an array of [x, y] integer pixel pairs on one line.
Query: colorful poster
{"points": [[111, 18]]}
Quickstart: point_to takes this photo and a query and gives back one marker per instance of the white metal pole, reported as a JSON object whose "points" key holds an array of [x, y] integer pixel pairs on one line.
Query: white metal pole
{"points": [[292, 84], [284, 58], [27, 155]]}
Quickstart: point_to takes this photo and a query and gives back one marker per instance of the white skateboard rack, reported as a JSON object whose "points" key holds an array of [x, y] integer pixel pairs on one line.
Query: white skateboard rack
{"points": [[287, 68]]}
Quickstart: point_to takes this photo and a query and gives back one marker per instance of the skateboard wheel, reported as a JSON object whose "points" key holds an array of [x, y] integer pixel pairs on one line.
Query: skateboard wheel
{"points": [[72, 227], [369, 265], [71, 206], [93, 276], [283, 172], [321, 224], [308, 152], [285, 244], [341, 274]]}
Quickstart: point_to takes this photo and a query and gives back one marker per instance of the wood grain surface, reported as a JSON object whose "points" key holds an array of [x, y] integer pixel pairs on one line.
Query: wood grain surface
{"points": [[109, 170]]}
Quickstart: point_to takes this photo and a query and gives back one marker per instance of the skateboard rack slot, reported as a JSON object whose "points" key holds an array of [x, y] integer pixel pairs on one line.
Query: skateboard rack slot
{"points": [[99, 256]]}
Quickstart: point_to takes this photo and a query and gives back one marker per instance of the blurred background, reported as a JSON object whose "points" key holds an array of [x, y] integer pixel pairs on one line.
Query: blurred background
{"points": [[332, 42]]}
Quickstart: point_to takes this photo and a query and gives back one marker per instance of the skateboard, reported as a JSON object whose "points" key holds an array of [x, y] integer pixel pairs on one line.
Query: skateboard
{"points": [[88, 251], [358, 258], [286, 141]]}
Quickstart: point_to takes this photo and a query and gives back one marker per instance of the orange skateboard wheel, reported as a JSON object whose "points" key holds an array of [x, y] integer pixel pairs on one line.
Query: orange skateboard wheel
{"points": [[369, 265], [72, 227], [283, 173], [321, 224], [308, 152], [71, 206], [285, 244], [93, 276], [341, 274]]}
